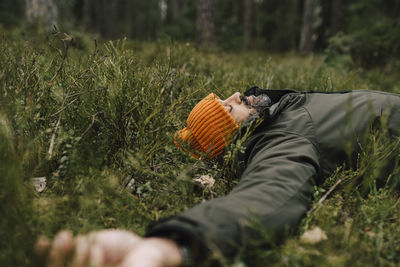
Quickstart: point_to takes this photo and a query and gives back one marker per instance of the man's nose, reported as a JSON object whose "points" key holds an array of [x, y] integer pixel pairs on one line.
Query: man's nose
{"points": [[234, 98]]}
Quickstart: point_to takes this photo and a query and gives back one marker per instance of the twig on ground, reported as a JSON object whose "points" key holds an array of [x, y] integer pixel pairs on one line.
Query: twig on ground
{"points": [[67, 42], [53, 138], [326, 194], [63, 106], [90, 126]]}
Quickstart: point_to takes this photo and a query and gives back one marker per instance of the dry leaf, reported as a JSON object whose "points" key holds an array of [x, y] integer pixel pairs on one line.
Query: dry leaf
{"points": [[205, 181], [39, 183], [313, 236]]}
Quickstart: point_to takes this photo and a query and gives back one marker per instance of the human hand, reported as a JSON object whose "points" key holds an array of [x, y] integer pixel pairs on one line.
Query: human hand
{"points": [[108, 248]]}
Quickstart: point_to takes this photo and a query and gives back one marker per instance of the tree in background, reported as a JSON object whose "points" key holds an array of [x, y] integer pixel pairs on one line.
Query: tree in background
{"points": [[11, 12], [205, 27], [373, 30], [306, 42], [248, 21], [337, 16], [366, 30], [174, 9], [277, 24], [179, 23], [44, 10], [113, 19]]}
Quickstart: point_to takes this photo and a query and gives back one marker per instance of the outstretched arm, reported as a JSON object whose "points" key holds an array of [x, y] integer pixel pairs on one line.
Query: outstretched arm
{"points": [[274, 191]]}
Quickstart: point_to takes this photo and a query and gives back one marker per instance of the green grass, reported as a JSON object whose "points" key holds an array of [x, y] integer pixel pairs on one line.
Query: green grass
{"points": [[112, 109]]}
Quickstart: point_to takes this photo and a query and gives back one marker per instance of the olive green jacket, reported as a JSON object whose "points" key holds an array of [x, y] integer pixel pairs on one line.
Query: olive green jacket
{"points": [[304, 137]]}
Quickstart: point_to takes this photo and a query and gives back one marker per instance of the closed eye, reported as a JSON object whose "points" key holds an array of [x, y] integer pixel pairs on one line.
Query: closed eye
{"points": [[229, 108]]}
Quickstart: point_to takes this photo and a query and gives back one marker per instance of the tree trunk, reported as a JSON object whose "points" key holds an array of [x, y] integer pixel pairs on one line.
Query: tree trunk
{"points": [[205, 23], [336, 16], [306, 42], [90, 15], [173, 10], [247, 21], [113, 26], [128, 18], [44, 10], [163, 6], [99, 15]]}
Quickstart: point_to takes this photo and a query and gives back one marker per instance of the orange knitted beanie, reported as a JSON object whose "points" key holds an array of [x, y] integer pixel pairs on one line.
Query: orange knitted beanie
{"points": [[209, 128]]}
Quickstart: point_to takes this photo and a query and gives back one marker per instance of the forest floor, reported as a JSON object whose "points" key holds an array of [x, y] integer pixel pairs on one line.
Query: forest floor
{"points": [[91, 117]]}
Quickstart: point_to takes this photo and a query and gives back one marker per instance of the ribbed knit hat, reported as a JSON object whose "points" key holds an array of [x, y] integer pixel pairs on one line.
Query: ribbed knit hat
{"points": [[209, 128]]}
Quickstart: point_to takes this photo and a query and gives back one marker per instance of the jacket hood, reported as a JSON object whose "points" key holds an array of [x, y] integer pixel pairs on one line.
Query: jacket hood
{"points": [[275, 95]]}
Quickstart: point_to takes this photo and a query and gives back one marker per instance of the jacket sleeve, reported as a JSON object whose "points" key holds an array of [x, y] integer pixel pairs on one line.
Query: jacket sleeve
{"points": [[274, 192]]}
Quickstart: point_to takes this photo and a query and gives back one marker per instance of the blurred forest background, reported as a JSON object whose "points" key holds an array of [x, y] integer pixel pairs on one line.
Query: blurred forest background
{"points": [[366, 30]]}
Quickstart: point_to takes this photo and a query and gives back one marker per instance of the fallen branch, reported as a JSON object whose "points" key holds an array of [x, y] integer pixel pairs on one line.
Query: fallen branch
{"points": [[63, 106], [326, 194], [67, 41], [90, 126], [53, 138]]}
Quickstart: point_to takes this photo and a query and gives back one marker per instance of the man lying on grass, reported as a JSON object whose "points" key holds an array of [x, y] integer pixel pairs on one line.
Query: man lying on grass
{"points": [[297, 141]]}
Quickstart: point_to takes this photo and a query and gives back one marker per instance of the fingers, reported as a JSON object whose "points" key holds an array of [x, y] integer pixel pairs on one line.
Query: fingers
{"points": [[154, 252], [114, 244], [61, 249], [79, 252], [82, 249], [42, 248], [96, 256], [101, 248]]}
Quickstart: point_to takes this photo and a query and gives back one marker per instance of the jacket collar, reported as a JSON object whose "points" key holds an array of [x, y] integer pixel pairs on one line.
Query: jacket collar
{"points": [[275, 95], [268, 114]]}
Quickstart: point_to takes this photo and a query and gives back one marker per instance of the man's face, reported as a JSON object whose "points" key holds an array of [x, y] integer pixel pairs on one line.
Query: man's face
{"points": [[239, 107]]}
